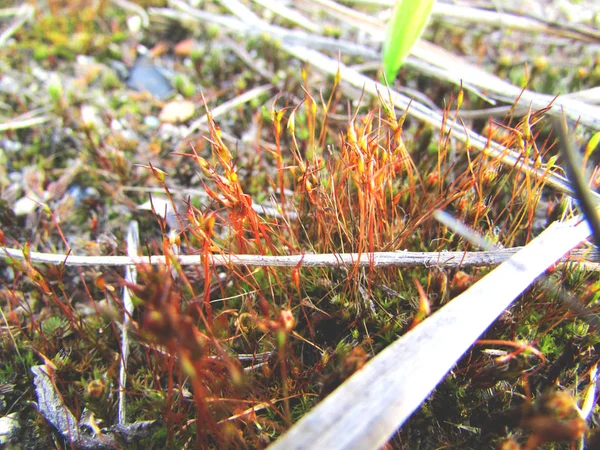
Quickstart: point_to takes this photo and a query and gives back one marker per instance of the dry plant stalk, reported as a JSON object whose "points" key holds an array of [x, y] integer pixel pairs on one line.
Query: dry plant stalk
{"points": [[585, 259]]}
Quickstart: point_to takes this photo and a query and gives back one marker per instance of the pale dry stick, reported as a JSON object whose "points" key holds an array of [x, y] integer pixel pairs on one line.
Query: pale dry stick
{"points": [[347, 13], [23, 14], [497, 111], [441, 74], [427, 69], [230, 105], [409, 92], [589, 400], [241, 11], [368, 408], [10, 11], [134, 8], [589, 397], [434, 72], [18, 124], [247, 58], [581, 18], [465, 13], [590, 96], [257, 360], [272, 211], [576, 110], [587, 259], [250, 411], [290, 14], [187, 13], [133, 239], [37, 112]]}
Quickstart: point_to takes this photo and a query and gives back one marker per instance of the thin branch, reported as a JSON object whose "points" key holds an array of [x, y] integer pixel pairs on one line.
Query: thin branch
{"points": [[290, 14], [133, 239], [135, 9], [230, 105], [24, 13], [588, 259], [266, 210], [18, 124], [465, 13]]}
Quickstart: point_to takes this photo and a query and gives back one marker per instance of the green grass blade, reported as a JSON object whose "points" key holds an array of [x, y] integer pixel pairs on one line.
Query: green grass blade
{"points": [[404, 28]]}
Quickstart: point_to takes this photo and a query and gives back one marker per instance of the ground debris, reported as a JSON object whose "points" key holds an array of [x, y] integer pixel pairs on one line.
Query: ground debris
{"points": [[54, 410]]}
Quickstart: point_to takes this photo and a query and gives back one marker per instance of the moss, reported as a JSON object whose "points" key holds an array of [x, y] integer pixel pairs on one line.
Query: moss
{"points": [[355, 186]]}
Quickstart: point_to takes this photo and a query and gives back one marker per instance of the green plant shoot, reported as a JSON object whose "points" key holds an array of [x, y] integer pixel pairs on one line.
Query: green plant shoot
{"points": [[403, 29]]}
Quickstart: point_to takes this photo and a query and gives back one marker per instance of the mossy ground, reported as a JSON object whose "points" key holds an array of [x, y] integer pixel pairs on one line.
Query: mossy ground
{"points": [[347, 176]]}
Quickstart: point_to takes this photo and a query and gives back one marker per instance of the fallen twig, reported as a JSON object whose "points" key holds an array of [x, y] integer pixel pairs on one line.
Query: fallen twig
{"points": [[133, 240], [587, 259]]}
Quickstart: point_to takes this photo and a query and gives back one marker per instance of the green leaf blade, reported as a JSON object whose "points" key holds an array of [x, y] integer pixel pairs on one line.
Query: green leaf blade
{"points": [[404, 28]]}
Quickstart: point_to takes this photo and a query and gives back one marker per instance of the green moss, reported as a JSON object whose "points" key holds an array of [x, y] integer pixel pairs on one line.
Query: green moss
{"points": [[184, 86]]}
